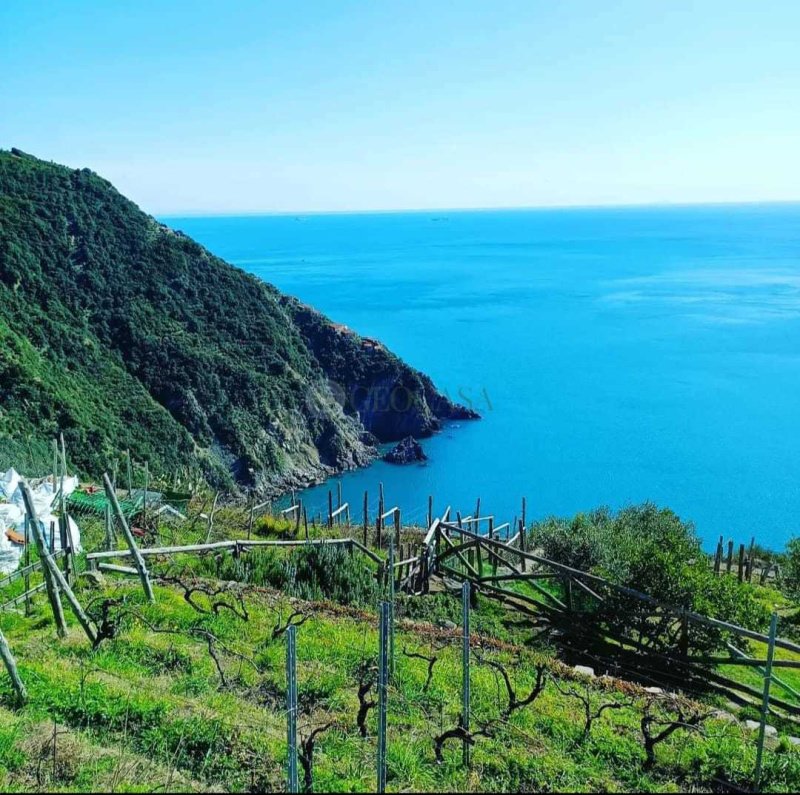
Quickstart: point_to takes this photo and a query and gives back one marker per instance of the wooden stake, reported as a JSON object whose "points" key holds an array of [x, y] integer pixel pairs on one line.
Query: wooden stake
{"points": [[138, 560], [27, 563], [110, 541], [11, 667], [773, 631], [56, 574], [379, 517], [146, 487], [741, 562], [50, 583], [397, 526], [366, 517]]}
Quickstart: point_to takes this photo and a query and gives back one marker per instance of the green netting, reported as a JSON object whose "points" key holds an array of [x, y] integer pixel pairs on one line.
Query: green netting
{"points": [[81, 502]]}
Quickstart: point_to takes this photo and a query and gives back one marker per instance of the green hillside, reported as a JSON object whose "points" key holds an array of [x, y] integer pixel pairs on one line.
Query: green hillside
{"points": [[122, 333]]}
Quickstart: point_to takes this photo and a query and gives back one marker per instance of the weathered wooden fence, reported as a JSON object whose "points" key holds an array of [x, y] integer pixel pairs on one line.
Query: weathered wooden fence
{"points": [[24, 574], [572, 599]]}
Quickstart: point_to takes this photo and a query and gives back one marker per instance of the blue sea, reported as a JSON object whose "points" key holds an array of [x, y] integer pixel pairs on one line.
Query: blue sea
{"points": [[616, 355]]}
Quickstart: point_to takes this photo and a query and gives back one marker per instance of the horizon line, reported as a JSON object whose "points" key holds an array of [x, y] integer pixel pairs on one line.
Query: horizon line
{"points": [[476, 209]]}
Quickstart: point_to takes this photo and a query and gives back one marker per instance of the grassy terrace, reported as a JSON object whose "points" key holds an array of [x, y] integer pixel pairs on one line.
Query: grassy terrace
{"points": [[153, 709]]}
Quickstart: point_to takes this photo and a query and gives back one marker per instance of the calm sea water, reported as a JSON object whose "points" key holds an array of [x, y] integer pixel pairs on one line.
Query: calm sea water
{"points": [[616, 355]]}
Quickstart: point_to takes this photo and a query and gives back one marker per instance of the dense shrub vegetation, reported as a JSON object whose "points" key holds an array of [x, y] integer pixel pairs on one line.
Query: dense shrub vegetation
{"points": [[650, 550], [315, 573]]}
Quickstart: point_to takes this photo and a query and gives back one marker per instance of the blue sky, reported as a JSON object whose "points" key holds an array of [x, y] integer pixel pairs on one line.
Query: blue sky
{"points": [[209, 106]]}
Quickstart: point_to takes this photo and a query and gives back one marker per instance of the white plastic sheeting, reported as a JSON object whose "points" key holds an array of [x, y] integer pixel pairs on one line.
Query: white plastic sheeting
{"points": [[12, 516]]}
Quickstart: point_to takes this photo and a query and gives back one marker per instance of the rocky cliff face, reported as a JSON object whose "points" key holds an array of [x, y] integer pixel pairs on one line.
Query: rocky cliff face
{"points": [[124, 334], [390, 399]]}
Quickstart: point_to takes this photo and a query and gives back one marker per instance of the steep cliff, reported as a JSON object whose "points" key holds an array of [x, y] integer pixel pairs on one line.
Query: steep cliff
{"points": [[122, 333]]}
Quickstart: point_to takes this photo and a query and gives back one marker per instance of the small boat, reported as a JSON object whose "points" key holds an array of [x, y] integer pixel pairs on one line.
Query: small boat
{"points": [[15, 538]]}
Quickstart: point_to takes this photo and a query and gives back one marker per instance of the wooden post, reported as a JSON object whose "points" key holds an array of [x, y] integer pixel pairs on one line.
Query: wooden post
{"points": [[11, 667], [729, 562], [741, 562], [430, 511], [27, 562], [522, 545], [298, 517], [773, 630], [48, 563], [750, 558], [138, 560], [339, 499], [491, 537], [50, 583], [210, 516], [70, 568], [521, 537], [63, 456], [130, 473], [110, 540], [55, 466], [379, 517], [718, 557], [330, 508], [683, 641], [146, 488], [397, 526], [252, 512], [305, 521], [366, 518]]}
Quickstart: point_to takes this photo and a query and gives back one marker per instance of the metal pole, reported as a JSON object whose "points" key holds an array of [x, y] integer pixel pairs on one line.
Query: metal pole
{"points": [[465, 704], [773, 629], [390, 585], [383, 676], [291, 708]]}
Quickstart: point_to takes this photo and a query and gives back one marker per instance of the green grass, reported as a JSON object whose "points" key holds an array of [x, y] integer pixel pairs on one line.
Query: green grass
{"points": [[148, 709], [155, 700]]}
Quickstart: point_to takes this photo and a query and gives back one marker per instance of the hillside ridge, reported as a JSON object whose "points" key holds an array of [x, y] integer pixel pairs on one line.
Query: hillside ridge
{"points": [[125, 334]]}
